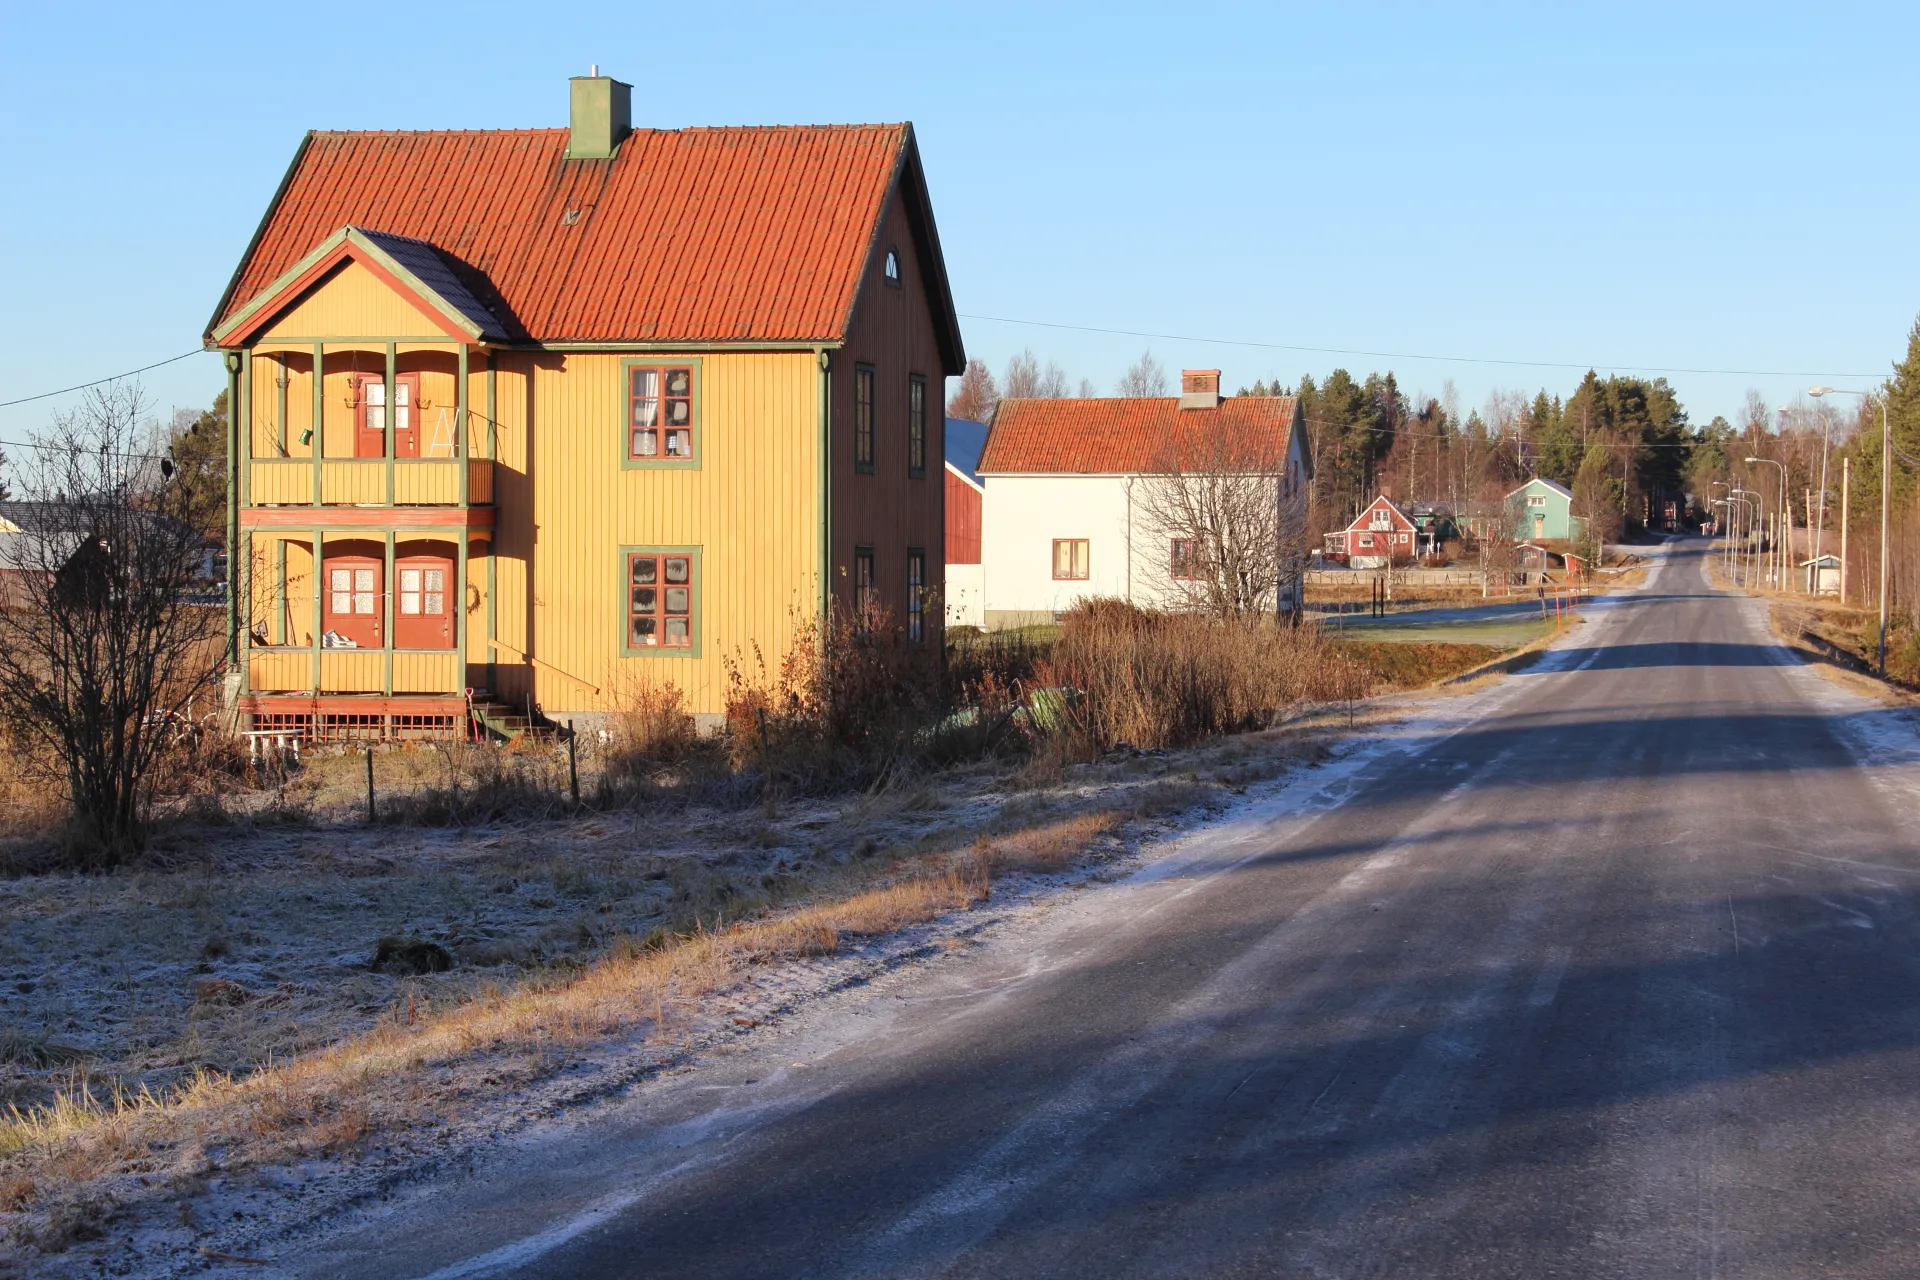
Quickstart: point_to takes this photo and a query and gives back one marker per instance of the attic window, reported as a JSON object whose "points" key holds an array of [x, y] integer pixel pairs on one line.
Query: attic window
{"points": [[893, 267]]}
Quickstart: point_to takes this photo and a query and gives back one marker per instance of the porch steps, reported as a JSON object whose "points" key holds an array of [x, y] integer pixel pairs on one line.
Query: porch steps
{"points": [[499, 720]]}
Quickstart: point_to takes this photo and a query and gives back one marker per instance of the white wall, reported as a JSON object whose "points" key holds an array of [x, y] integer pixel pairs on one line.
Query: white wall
{"points": [[965, 596], [1020, 516]]}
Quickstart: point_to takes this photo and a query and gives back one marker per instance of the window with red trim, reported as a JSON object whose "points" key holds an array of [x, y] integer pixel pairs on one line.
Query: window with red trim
{"points": [[1186, 559], [660, 601], [660, 413]]}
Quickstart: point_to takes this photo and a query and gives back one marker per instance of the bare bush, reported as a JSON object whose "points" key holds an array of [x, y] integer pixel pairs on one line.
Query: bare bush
{"points": [[1221, 498], [108, 631], [1153, 679]]}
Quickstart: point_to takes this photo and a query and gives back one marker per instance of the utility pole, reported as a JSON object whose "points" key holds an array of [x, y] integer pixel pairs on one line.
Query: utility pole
{"points": [[1846, 484]]}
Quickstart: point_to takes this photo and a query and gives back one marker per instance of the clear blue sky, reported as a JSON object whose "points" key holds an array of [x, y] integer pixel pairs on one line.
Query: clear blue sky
{"points": [[1725, 187]]}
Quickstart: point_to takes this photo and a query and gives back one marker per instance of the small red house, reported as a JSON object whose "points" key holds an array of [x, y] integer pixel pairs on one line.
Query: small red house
{"points": [[1380, 533]]}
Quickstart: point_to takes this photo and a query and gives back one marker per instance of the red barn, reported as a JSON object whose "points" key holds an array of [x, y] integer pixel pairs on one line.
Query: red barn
{"points": [[1380, 533], [965, 581]]}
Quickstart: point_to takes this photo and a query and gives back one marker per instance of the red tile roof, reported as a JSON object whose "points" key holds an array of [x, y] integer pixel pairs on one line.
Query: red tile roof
{"points": [[711, 235], [1131, 436]]}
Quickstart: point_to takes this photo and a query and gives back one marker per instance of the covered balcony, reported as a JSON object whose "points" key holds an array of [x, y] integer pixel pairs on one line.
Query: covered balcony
{"points": [[381, 648], [378, 425]]}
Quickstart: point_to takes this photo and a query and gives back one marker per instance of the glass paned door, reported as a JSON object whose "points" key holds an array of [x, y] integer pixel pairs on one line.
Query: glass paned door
{"points": [[352, 604], [423, 613]]}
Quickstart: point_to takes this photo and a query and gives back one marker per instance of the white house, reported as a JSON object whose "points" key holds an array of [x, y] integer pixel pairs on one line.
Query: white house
{"points": [[965, 578], [1066, 511]]}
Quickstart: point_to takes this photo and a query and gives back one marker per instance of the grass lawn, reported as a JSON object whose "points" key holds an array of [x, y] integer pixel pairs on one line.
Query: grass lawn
{"points": [[1496, 633]]}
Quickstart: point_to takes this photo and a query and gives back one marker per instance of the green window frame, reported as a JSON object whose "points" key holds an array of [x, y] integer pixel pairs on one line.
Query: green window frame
{"points": [[863, 450], [652, 378], [916, 427], [658, 606]]}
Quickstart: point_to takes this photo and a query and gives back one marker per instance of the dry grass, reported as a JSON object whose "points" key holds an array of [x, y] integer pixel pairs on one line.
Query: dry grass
{"points": [[29, 810], [227, 1027], [1146, 679], [1393, 665], [417, 1057]]}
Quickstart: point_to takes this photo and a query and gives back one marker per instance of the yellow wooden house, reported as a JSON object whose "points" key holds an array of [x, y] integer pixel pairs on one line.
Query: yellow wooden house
{"points": [[527, 418]]}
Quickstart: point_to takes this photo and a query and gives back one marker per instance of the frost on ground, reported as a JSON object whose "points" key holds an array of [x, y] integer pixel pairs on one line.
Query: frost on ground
{"points": [[457, 985], [256, 946]]}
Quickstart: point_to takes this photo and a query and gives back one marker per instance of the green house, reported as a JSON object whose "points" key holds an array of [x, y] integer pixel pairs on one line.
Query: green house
{"points": [[1542, 510]]}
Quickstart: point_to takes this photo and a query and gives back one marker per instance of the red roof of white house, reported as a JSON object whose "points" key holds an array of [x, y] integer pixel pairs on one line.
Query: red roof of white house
{"points": [[1135, 435]]}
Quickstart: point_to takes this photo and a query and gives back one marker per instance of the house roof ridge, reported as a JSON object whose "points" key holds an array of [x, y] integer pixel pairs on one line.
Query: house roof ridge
{"points": [[1118, 435], [716, 234], [548, 131]]}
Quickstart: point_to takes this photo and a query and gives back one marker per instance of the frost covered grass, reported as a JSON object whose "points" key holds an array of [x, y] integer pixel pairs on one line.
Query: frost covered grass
{"points": [[407, 1052]]}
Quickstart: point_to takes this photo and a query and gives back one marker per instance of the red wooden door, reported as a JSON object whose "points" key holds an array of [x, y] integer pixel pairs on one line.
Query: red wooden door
{"points": [[351, 603], [370, 427], [406, 415], [423, 603]]}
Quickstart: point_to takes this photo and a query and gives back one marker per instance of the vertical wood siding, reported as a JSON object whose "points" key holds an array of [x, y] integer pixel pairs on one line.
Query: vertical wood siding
{"points": [[278, 671], [478, 551], [893, 331], [354, 483], [751, 508], [513, 533], [426, 483], [963, 520], [280, 482], [415, 672], [297, 623], [351, 302], [268, 439], [352, 670]]}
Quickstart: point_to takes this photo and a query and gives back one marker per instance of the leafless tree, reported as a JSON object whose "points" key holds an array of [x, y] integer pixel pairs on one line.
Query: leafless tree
{"points": [[1231, 522], [1025, 380], [1144, 377], [110, 628], [976, 394], [1756, 413]]}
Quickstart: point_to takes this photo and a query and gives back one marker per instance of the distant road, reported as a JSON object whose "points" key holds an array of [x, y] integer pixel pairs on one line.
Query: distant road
{"points": [[1616, 976]]}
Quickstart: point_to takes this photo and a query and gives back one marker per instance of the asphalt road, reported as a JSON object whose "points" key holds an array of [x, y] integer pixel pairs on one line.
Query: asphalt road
{"points": [[1618, 975]]}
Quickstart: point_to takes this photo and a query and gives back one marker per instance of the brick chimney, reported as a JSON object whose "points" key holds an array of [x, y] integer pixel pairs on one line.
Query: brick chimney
{"points": [[1199, 388]]}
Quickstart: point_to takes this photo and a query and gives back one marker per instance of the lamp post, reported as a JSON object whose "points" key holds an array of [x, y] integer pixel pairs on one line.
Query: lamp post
{"points": [[1780, 506], [1727, 538], [1737, 510], [1752, 498], [1886, 473]]}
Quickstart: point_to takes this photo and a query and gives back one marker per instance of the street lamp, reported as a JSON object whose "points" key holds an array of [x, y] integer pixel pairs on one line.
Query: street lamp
{"points": [[1737, 510], [1782, 580], [1886, 472], [1752, 499], [1726, 540]]}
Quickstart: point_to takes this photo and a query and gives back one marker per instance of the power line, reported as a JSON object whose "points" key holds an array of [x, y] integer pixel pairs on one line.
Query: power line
{"points": [[1408, 355], [97, 382]]}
